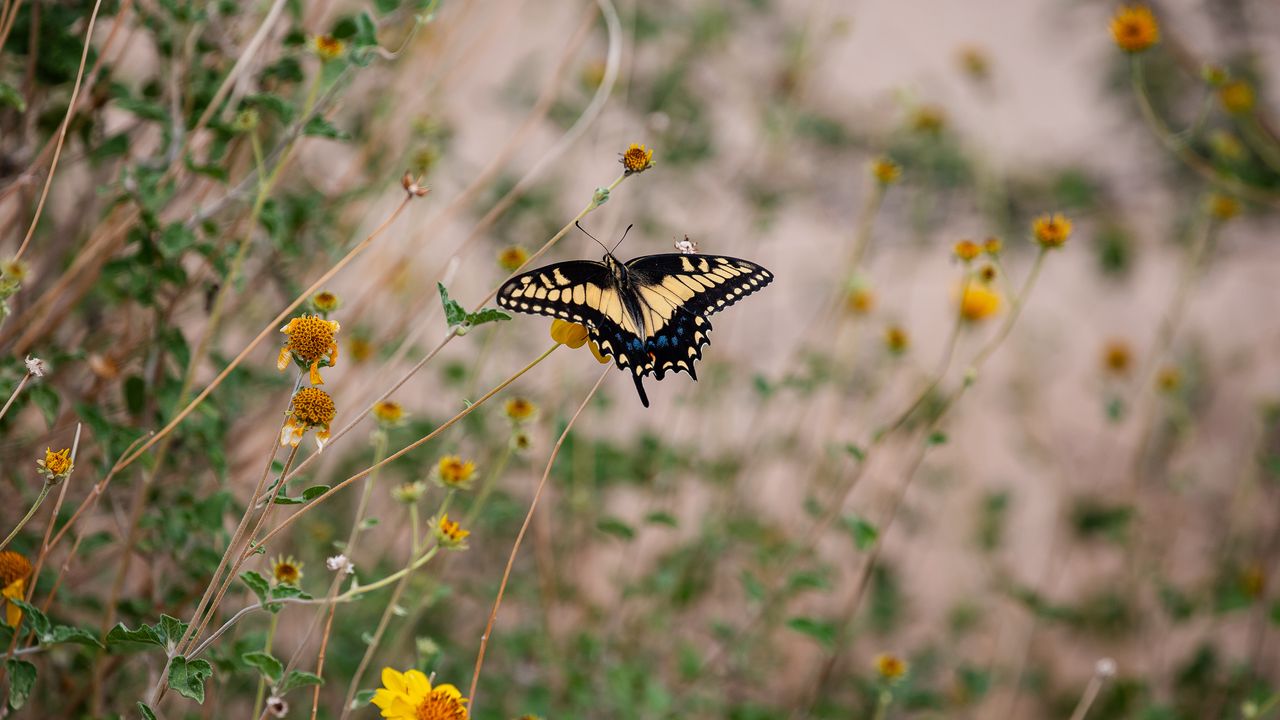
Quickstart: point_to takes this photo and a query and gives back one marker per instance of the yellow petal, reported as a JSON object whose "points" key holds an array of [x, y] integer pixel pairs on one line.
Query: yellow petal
{"points": [[315, 374], [333, 354], [451, 691], [288, 327], [282, 360], [383, 698], [15, 590], [394, 681], [419, 685], [567, 333]]}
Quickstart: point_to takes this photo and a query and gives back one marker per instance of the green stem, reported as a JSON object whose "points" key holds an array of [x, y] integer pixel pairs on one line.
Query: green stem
{"points": [[44, 492], [262, 680]]}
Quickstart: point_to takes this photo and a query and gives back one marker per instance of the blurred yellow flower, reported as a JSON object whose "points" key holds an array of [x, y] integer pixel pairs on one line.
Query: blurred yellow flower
{"points": [[310, 408], [327, 47], [928, 119], [520, 409], [636, 159], [1225, 145], [966, 250], [890, 667], [325, 302], [1236, 97], [1134, 28], [388, 413], [860, 300], [410, 696], [1116, 357], [512, 258], [1169, 379], [992, 246], [453, 472], [286, 570], [14, 571], [1052, 230], [360, 348], [978, 302], [987, 273], [896, 339], [885, 171], [13, 269], [1223, 207], [310, 342], [56, 465], [449, 533], [974, 61]]}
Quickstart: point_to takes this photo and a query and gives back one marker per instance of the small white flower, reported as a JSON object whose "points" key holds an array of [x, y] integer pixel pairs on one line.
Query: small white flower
{"points": [[35, 366], [277, 706], [1105, 668], [687, 246], [340, 564]]}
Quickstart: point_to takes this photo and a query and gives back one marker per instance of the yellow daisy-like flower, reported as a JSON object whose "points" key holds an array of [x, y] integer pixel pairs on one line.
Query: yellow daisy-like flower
{"points": [[409, 696], [1236, 97], [453, 472], [860, 300], [449, 533], [929, 119], [1226, 146], [890, 667], [1116, 357], [988, 273], [979, 302], [388, 413], [327, 47], [885, 171], [311, 344], [56, 465], [992, 246], [896, 339], [310, 408], [360, 348], [1134, 28], [325, 302], [13, 269], [286, 570], [1169, 379], [575, 336], [1052, 230], [966, 250], [974, 61], [1223, 207], [14, 571], [520, 409], [637, 159], [513, 258]]}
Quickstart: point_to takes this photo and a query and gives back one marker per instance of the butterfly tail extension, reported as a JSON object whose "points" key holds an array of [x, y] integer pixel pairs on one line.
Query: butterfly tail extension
{"points": [[644, 399]]}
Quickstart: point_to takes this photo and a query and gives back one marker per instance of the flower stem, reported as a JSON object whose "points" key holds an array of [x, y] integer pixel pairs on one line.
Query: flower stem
{"points": [[262, 680], [21, 384], [44, 492]]}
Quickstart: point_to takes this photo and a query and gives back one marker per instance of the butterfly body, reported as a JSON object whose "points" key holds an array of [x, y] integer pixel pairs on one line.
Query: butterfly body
{"points": [[649, 314]]}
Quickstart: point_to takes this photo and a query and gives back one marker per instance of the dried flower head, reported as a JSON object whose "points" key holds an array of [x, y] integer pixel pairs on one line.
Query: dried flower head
{"points": [[340, 564], [55, 466], [513, 258], [1236, 97], [978, 302], [520, 409], [988, 273], [1223, 207], [1116, 357], [15, 270], [1052, 231], [636, 159], [310, 408], [410, 696], [885, 171], [325, 302], [890, 667], [449, 533], [1105, 668], [1134, 28], [453, 472], [15, 568], [277, 706], [966, 250], [311, 344], [896, 339], [929, 119], [35, 366], [327, 47], [410, 492], [686, 246], [286, 570], [388, 413]]}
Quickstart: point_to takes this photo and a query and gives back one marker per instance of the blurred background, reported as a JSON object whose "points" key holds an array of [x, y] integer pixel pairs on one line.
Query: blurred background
{"points": [[1031, 477]]}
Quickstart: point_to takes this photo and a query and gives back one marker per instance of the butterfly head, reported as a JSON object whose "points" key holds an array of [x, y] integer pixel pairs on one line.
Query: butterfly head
{"points": [[617, 269]]}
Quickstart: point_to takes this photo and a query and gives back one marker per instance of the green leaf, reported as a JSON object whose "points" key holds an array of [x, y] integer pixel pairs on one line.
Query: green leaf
{"points": [[10, 96], [147, 713], [135, 394], [821, 630], [22, 678], [858, 453], [319, 127], [143, 109], [121, 635], [171, 629], [937, 437], [34, 619], [485, 315], [297, 679], [616, 527], [314, 492], [187, 677], [661, 518], [257, 584], [754, 588], [266, 664], [366, 31], [364, 697], [454, 314], [864, 533], [67, 634], [176, 239], [273, 104], [47, 399]]}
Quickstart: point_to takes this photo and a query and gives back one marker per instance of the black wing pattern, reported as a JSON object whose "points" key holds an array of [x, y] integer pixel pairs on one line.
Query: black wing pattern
{"points": [[654, 322]]}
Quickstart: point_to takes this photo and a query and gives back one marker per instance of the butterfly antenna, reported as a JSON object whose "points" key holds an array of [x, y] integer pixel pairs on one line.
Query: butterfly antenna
{"points": [[593, 237], [624, 237]]}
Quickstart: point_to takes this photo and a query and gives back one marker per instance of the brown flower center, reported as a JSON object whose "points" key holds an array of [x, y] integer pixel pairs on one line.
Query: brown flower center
{"points": [[13, 567], [440, 705], [311, 338]]}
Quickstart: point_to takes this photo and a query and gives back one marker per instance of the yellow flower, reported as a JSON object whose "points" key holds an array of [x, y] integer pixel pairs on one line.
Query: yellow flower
{"points": [[890, 667], [860, 300], [409, 696], [286, 570], [1134, 28], [360, 348], [978, 302], [568, 333], [310, 342], [885, 171], [1169, 379], [388, 413], [1116, 357], [974, 61], [327, 47], [1052, 230], [513, 258], [452, 472], [325, 302], [1226, 146], [992, 246], [520, 409], [1253, 580], [1236, 97], [310, 408], [449, 533], [928, 119], [56, 465], [14, 571], [896, 339], [1223, 207], [636, 159], [966, 250], [13, 269], [987, 273], [410, 492]]}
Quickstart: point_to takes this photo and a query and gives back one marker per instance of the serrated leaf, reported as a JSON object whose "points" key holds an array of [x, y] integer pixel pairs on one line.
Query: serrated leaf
{"points": [[297, 679], [147, 712], [486, 315], [454, 314], [122, 635], [319, 127], [187, 677], [616, 527], [67, 634], [22, 679], [171, 629], [257, 584], [821, 630], [265, 663]]}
